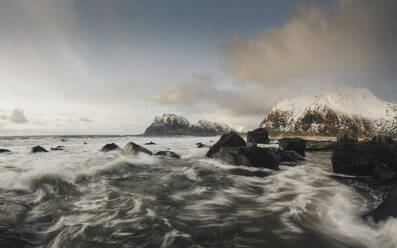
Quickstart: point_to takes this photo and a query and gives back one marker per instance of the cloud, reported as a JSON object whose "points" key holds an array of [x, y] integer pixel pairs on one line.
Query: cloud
{"points": [[85, 119], [18, 116], [352, 41], [203, 90]]}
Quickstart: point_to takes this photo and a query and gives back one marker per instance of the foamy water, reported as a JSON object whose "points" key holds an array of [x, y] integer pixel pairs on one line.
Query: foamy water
{"points": [[81, 197]]}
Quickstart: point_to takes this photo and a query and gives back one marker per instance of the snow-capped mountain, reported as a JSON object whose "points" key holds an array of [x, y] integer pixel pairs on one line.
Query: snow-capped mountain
{"points": [[334, 111], [171, 124]]}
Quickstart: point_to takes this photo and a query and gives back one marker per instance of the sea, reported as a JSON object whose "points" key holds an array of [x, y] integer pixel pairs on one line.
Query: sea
{"points": [[82, 197]]}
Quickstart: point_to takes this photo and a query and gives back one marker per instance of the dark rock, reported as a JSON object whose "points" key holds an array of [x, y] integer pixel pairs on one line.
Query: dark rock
{"points": [[248, 173], [382, 140], [132, 148], [167, 154], [63, 140], [58, 148], [293, 144], [258, 136], [386, 209], [201, 145], [359, 159], [150, 143], [85, 143], [347, 138], [4, 150], [249, 156], [290, 156], [231, 139], [382, 172], [110, 147], [37, 149]]}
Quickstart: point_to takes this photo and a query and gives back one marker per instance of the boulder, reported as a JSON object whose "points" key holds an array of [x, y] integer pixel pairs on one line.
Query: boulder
{"points": [[4, 150], [293, 144], [386, 209], [382, 172], [167, 154], [290, 156], [132, 148], [359, 159], [258, 136], [347, 138], [110, 147], [231, 139], [150, 143], [249, 156], [37, 149], [382, 140]]}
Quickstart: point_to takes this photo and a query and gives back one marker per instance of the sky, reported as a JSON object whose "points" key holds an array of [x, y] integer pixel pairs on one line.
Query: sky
{"points": [[109, 67]]}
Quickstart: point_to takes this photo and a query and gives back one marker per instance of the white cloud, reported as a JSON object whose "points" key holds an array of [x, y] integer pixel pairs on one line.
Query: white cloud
{"points": [[18, 116]]}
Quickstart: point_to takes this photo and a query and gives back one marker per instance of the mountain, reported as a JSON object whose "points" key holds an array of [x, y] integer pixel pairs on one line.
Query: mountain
{"points": [[171, 124], [331, 112]]}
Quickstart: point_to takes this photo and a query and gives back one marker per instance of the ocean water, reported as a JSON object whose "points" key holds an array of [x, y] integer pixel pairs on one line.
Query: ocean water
{"points": [[81, 197]]}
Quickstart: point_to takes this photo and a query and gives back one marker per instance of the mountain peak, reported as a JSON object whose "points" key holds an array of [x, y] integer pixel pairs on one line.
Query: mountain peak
{"points": [[329, 112]]}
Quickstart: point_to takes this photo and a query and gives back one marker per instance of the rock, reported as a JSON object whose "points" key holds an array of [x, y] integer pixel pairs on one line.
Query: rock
{"points": [[382, 172], [382, 140], [37, 149], [85, 143], [258, 136], [248, 173], [359, 159], [150, 143], [231, 139], [293, 144], [386, 209], [201, 145], [4, 150], [167, 154], [249, 156], [63, 140], [347, 138], [290, 156], [110, 147], [132, 148], [58, 148]]}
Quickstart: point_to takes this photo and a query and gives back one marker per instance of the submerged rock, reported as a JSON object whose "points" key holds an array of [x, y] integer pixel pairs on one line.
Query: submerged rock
{"points": [[132, 148], [290, 156], [385, 210], [201, 145], [249, 156], [4, 150], [258, 136], [248, 173], [110, 147], [37, 149], [293, 144], [167, 154], [231, 139], [58, 148], [150, 143]]}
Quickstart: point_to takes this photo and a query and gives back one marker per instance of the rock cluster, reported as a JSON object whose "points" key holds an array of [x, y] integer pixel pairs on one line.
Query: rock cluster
{"points": [[233, 149]]}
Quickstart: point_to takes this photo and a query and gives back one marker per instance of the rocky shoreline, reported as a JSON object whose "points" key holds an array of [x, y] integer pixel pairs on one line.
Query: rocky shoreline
{"points": [[367, 165]]}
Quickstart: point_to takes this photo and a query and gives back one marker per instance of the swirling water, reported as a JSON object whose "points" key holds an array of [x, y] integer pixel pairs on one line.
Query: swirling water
{"points": [[81, 197]]}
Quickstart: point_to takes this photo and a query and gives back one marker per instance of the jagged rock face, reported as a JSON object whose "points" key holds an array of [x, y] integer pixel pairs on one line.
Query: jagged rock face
{"points": [[329, 114], [171, 124]]}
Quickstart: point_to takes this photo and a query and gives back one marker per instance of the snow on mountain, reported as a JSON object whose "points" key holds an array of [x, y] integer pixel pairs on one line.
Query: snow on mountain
{"points": [[171, 124], [333, 111]]}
